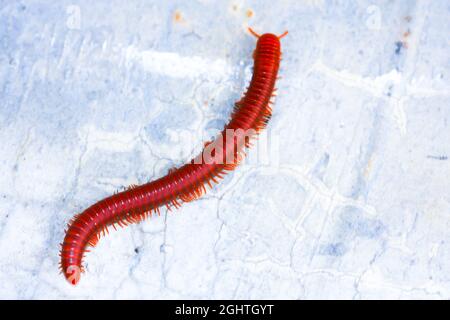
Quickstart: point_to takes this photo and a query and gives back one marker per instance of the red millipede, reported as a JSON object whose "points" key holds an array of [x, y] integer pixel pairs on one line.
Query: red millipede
{"points": [[186, 183]]}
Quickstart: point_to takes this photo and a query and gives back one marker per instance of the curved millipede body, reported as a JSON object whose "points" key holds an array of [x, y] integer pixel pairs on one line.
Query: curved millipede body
{"points": [[186, 183]]}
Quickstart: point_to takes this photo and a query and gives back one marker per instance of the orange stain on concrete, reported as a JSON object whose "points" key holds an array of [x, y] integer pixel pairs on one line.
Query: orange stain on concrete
{"points": [[178, 17]]}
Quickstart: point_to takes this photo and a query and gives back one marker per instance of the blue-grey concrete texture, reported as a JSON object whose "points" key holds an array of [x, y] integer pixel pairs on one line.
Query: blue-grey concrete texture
{"points": [[348, 199]]}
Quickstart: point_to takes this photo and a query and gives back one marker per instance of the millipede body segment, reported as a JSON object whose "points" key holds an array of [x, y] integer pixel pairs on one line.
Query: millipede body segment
{"points": [[189, 181]]}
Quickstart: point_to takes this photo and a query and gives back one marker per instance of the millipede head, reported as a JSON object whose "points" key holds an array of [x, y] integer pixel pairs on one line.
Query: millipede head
{"points": [[257, 35]]}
